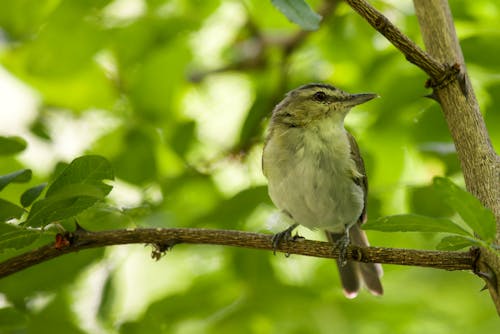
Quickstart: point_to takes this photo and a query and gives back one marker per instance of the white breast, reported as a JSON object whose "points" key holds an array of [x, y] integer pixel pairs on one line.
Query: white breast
{"points": [[310, 176]]}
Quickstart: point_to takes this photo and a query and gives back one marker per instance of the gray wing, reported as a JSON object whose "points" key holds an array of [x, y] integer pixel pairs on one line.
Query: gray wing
{"points": [[360, 165]]}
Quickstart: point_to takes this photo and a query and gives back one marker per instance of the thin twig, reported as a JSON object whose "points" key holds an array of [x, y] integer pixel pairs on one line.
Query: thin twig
{"points": [[164, 239]]}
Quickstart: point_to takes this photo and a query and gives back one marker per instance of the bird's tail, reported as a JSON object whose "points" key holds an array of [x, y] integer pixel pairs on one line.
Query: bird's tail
{"points": [[355, 274]]}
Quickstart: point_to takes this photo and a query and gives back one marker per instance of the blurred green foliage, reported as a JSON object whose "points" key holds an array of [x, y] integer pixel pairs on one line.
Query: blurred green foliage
{"points": [[176, 94]]}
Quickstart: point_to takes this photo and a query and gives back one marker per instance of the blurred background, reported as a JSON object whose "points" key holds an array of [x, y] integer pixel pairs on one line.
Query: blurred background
{"points": [[177, 94]]}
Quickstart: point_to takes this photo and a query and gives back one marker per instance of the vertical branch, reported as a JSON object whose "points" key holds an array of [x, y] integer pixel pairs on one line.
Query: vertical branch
{"points": [[479, 161]]}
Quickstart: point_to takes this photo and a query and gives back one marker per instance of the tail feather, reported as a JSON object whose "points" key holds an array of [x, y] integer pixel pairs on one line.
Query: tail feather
{"points": [[355, 274]]}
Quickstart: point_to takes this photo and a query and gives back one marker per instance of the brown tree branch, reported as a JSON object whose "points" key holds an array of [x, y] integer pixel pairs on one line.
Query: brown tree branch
{"points": [[410, 50], [164, 239], [452, 89], [479, 161], [444, 63]]}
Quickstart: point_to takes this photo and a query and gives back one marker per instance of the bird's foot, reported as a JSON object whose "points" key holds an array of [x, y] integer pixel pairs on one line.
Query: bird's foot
{"points": [[285, 235], [343, 246]]}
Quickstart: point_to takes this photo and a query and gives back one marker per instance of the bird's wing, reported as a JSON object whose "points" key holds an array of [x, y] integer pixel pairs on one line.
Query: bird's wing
{"points": [[361, 181]]}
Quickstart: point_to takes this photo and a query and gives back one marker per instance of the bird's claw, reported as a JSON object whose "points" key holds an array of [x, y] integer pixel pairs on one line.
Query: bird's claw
{"points": [[343, 246], [285, 235]]}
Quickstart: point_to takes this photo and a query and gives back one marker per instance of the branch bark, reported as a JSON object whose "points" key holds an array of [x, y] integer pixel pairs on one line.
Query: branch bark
{"points": [[165, 239], [452, 89], [403, 43], [479, 161]]}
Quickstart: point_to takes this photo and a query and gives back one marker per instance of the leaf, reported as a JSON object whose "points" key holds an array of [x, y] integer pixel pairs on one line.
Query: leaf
{"points": [[425, 200], [480, 219], [20, 176], [456, 242], [66, 203], [414, 223], [11, 145], [14, 237], [88, 169], [299, 12], [79, 186], [9, 210], [30, 195]]}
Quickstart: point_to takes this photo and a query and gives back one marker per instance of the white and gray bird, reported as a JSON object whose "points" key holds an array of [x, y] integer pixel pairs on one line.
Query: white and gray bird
{"points": [[316, 174]]}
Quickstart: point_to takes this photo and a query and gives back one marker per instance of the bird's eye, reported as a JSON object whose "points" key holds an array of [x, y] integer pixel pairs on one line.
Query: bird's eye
{"points": [[320, 96]]}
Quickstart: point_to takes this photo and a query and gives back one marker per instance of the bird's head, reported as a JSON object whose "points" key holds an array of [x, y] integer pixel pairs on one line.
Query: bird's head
{"points": [[313, 102]]}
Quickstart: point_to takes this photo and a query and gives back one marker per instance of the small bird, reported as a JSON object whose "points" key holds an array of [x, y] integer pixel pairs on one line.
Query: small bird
{"points": [[317, 177]]}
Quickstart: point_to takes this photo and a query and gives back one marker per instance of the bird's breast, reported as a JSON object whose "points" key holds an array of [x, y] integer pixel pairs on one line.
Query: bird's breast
{"points": [[310, 176]]}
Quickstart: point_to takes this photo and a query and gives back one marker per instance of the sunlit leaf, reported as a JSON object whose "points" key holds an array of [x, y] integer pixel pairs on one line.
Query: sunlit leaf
{"points": [[88, 169], [414, 223], [480, 219], [66, 203], [456, 242], [78, 187]]}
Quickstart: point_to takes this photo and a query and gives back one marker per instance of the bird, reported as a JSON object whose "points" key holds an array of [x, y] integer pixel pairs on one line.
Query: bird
{"points": [[316, 175]]}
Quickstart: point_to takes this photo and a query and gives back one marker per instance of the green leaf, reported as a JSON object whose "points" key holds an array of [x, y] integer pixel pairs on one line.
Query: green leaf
{"points": [[456, 242], [9, 210], [299, 12], [480, 219], [20, 176], [414, 223], [88, 169], [11, 145], [79, 186], [66, 203], [14, 237], [425, 200], [30, 195]]}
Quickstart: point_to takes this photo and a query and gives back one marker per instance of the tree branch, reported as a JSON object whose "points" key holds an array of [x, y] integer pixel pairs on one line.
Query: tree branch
{"points": [[164, 239], [412, 52], [479, 161], [452, 89]]}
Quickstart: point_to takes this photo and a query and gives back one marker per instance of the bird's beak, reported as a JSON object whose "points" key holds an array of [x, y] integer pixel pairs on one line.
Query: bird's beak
{"points": [[355, 99]]}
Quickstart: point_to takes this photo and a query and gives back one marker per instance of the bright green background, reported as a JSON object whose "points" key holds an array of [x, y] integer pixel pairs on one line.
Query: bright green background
{"points": [[187, 153]]}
